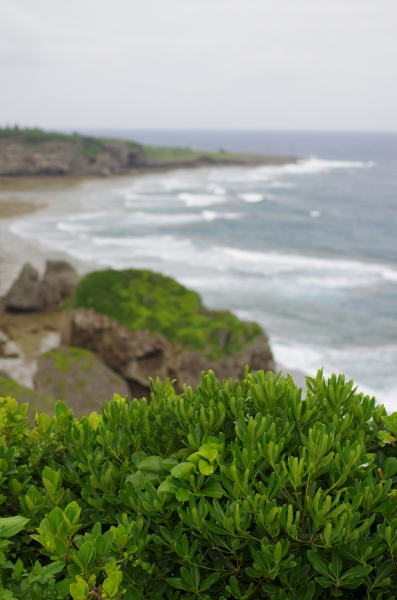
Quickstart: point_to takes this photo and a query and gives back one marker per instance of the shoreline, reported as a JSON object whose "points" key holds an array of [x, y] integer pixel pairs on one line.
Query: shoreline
{"points": [[46, 196], [23, 195], [28, 198]]}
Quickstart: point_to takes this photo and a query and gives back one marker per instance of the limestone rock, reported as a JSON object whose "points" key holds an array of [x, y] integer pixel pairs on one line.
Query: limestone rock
{"points": [[256, 354], [59, 282], [67, 157], [25, 293], [79, 378], [28, 293], [136, 355]]}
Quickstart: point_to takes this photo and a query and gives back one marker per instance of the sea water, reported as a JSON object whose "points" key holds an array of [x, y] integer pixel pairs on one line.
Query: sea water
{"points": [[307, 249]]}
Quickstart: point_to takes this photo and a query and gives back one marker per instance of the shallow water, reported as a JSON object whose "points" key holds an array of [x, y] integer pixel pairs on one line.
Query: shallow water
{"points": [[308, 250]]}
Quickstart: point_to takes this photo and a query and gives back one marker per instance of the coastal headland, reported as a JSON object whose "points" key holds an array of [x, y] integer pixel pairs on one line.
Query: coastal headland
{"points": [[33, 152]]}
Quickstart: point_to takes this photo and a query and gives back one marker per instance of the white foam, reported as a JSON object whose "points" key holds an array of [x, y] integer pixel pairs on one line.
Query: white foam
{"points": [[144, 218], [389, 274], [315, 214], [183, 182], [317, 165], [292, 274], [152, 244], [282, 184], [99, 220], [274, 263], [192, 200], [89, 216], [73, 228], [216, 189], [335, 282], [355, 361], [252, 197], [209, 215], [268, 173]]}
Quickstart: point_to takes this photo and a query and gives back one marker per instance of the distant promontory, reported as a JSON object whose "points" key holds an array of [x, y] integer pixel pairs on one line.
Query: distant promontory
{"points": [[33, 152]]}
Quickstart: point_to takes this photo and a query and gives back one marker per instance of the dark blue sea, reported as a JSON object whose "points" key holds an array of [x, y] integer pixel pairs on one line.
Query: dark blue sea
{"points": [[308, 249]]}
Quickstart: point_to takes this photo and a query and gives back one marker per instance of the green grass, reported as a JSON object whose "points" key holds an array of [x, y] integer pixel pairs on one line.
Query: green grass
{"points": [[142, 299], [164, 154], [91, 146], [128, 143], [36, 136]]}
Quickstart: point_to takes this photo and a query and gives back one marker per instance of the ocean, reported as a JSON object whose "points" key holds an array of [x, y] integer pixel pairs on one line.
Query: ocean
{"points": [[308, 250]]}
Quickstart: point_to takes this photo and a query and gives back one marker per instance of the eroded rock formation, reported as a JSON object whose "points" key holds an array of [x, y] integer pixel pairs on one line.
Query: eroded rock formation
{"points": [[136, 355], [28, 293], [59, 282], [25, 293], [66, 157]]}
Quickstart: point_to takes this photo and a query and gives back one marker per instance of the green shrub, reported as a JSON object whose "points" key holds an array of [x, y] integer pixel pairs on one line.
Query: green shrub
{"points": [[238, 490], [145, 300], [11, 388]]}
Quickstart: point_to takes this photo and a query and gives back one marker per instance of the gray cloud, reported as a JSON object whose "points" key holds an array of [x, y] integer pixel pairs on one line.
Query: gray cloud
{"points": [[199, 63]]}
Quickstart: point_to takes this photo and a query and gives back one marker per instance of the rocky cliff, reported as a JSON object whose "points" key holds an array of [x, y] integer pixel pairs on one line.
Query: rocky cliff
{"points": [[67, 157], [138, 355], [32, 152]]}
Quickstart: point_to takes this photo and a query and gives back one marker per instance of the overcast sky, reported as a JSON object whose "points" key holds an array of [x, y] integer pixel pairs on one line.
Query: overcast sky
{"points": [[254, 64]]}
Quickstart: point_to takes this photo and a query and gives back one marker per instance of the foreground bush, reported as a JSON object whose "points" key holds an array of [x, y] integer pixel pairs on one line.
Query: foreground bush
{"points": [[236, 491]]}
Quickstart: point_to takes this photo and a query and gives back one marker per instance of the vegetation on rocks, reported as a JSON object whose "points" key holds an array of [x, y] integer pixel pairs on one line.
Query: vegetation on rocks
{"points": [[142, 299], [36, 401], [174, 155], [63, 359], [237, 490], [35, 136], [78, 377], [153, 155]]}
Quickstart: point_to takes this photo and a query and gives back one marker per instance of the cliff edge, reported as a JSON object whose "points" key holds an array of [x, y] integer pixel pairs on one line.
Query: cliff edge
{"points": [[33, 152]]}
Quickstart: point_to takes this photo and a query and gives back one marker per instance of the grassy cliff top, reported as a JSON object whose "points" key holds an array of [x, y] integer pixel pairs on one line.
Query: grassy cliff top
{"points": [[142, 299], [37, 136], [159, 154]]}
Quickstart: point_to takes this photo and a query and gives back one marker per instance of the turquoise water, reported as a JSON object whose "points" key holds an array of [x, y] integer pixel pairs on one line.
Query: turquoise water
{"points": [[308, 250]]}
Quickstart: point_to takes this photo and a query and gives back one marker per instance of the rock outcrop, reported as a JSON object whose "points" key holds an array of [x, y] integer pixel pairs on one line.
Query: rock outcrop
{"points": [[256, 354], [77, 377], [59, 282], [136, 355], [67, 157], [28, 293], [25, 293]]}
